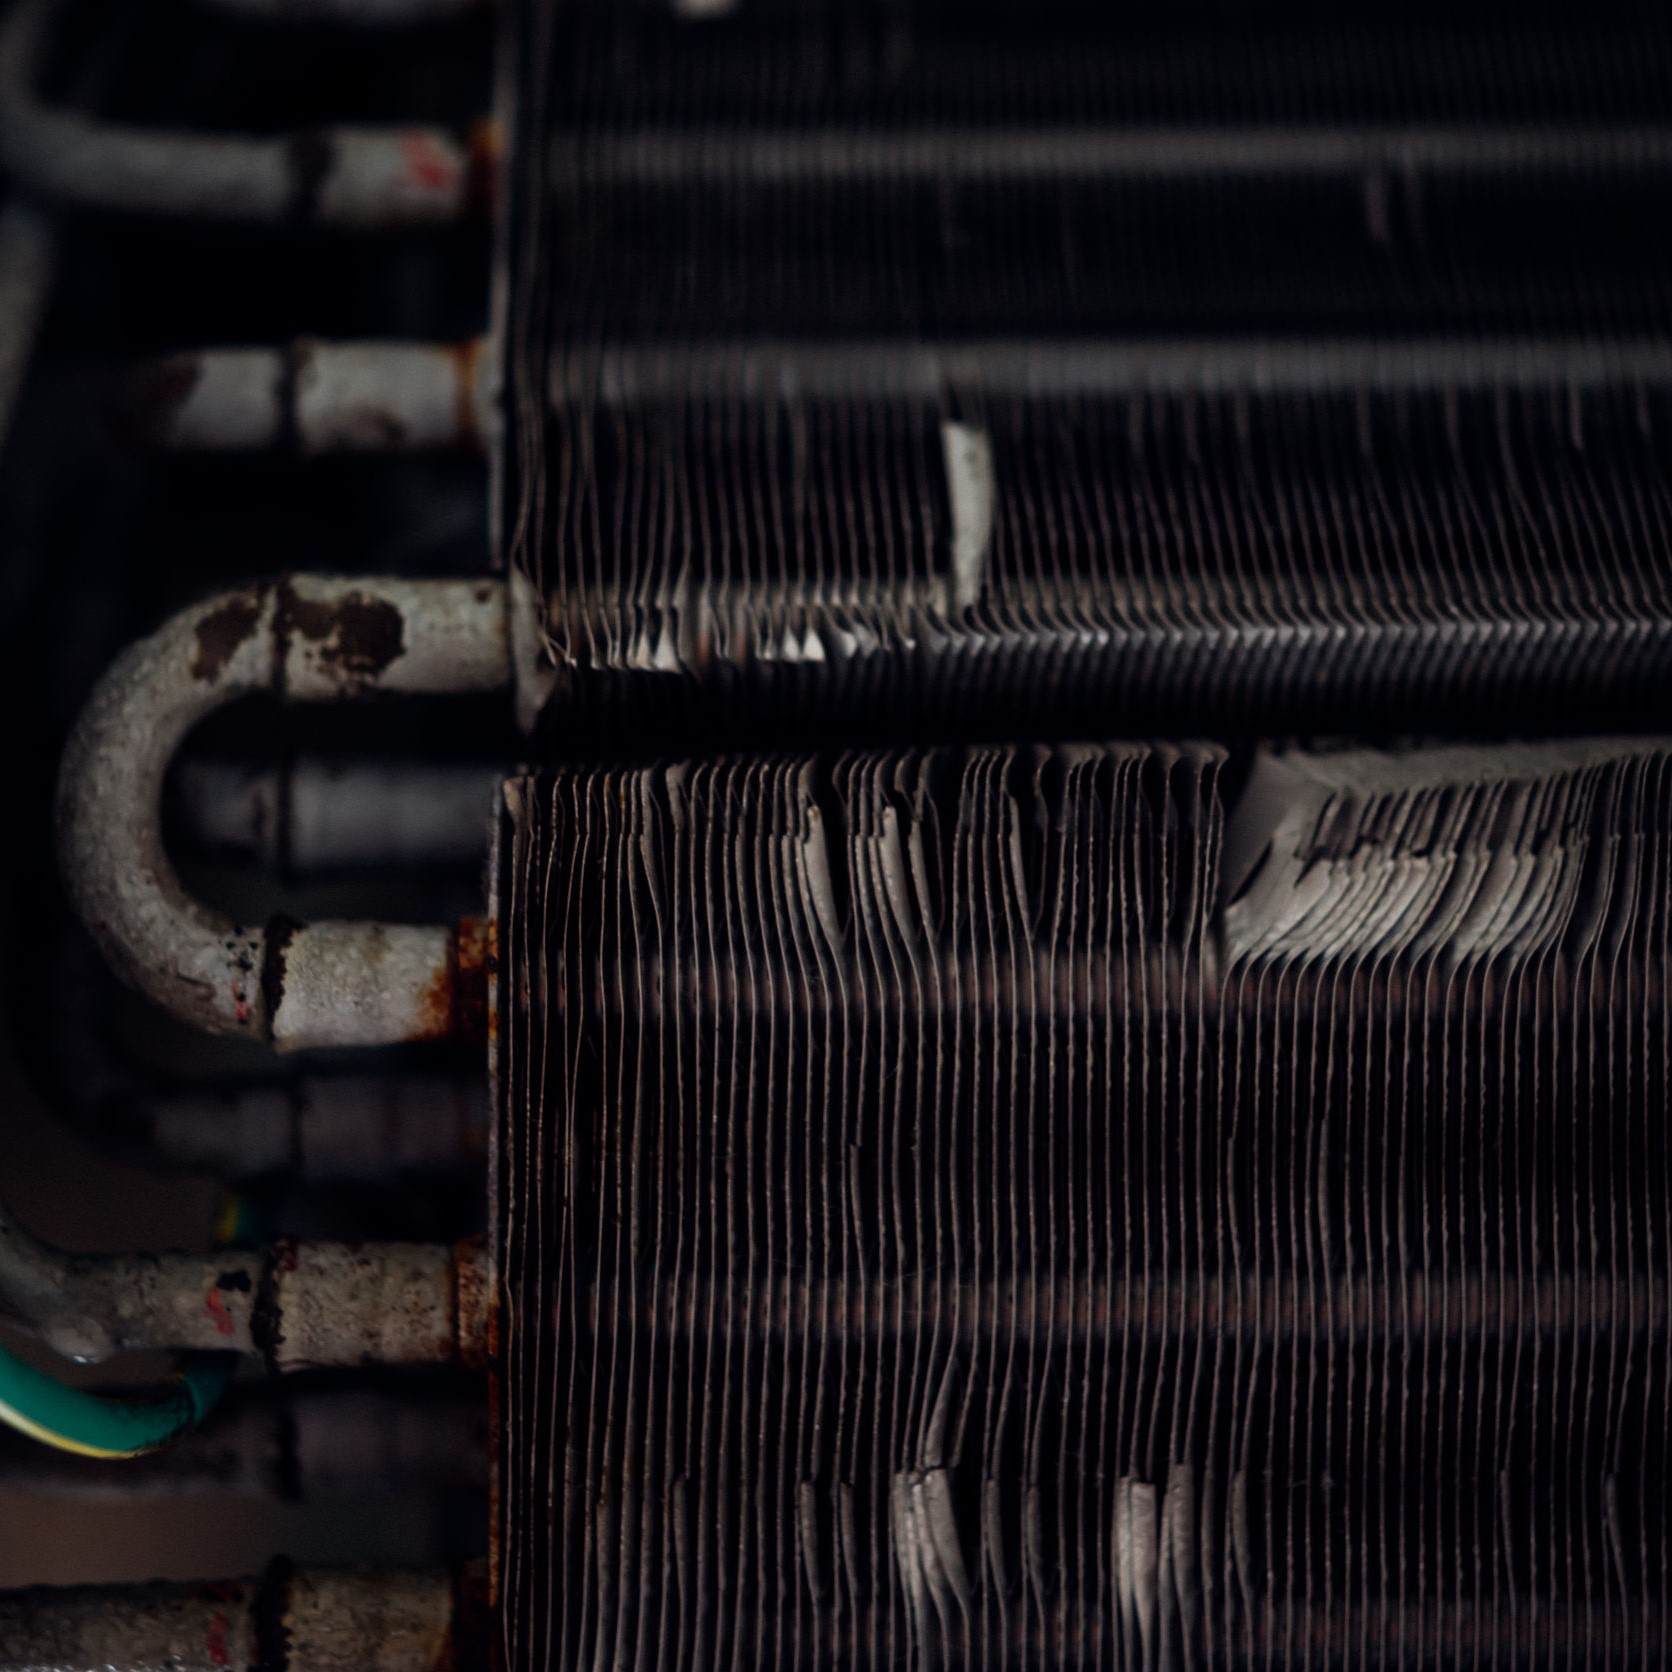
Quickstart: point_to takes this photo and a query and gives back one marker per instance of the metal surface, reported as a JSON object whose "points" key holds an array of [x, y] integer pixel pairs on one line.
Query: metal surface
{"points": [[306, 639], [341, 1304], [1053, 174], [905, 1318], [89, 1307], [319, 397], [294, 1441], [996, 375], [296, 1305], [1341, 564], [347, 176], [302, 1620]]}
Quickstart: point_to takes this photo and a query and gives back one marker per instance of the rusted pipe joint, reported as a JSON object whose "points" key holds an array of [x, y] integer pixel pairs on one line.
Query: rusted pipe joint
{"points": [[326, 1305], [302, 639]]}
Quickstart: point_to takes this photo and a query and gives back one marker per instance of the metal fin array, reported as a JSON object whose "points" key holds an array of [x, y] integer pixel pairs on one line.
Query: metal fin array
{"points": [[842, 168], [1179, 556], [889, 360], [1109, 1205]]}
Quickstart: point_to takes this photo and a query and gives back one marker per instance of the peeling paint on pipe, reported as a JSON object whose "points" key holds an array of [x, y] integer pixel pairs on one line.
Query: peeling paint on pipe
{"points": [[318, 398], [303, 639], [347, 176]]}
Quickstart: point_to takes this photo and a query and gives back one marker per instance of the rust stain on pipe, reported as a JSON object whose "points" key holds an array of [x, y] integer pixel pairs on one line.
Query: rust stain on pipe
{"points": [[431, 167], [437, 1005], [465, 357], [485, 148], [224, 632], [478, 959], [475, 1317], [455, 1004], [358, 636]]}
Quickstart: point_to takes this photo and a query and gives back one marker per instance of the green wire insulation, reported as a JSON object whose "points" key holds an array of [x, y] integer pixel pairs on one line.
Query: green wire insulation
{"points": [[97, 1425]]}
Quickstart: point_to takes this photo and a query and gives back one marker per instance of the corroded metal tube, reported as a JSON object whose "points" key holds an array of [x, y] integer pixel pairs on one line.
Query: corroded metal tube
{"points": [[298, 1306], [304, 1620], [318, 397], [349, 176], [306, 639]]}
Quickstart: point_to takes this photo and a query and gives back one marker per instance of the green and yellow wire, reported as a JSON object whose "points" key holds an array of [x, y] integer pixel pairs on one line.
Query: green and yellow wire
{"points": [[90, 1424], [101, 1425]]}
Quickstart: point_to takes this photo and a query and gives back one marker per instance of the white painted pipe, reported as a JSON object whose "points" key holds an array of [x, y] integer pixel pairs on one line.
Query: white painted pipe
{"points": [[303, 639], [318, 397]]}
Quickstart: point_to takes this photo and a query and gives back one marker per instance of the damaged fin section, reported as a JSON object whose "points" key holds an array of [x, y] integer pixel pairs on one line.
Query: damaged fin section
{"points": [[999, 1199]]}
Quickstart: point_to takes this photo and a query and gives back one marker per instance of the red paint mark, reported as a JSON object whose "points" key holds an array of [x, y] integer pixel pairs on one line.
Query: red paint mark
{"points": [[430, 166], [240, 1004], [216, 1308], [216, 1641]]}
